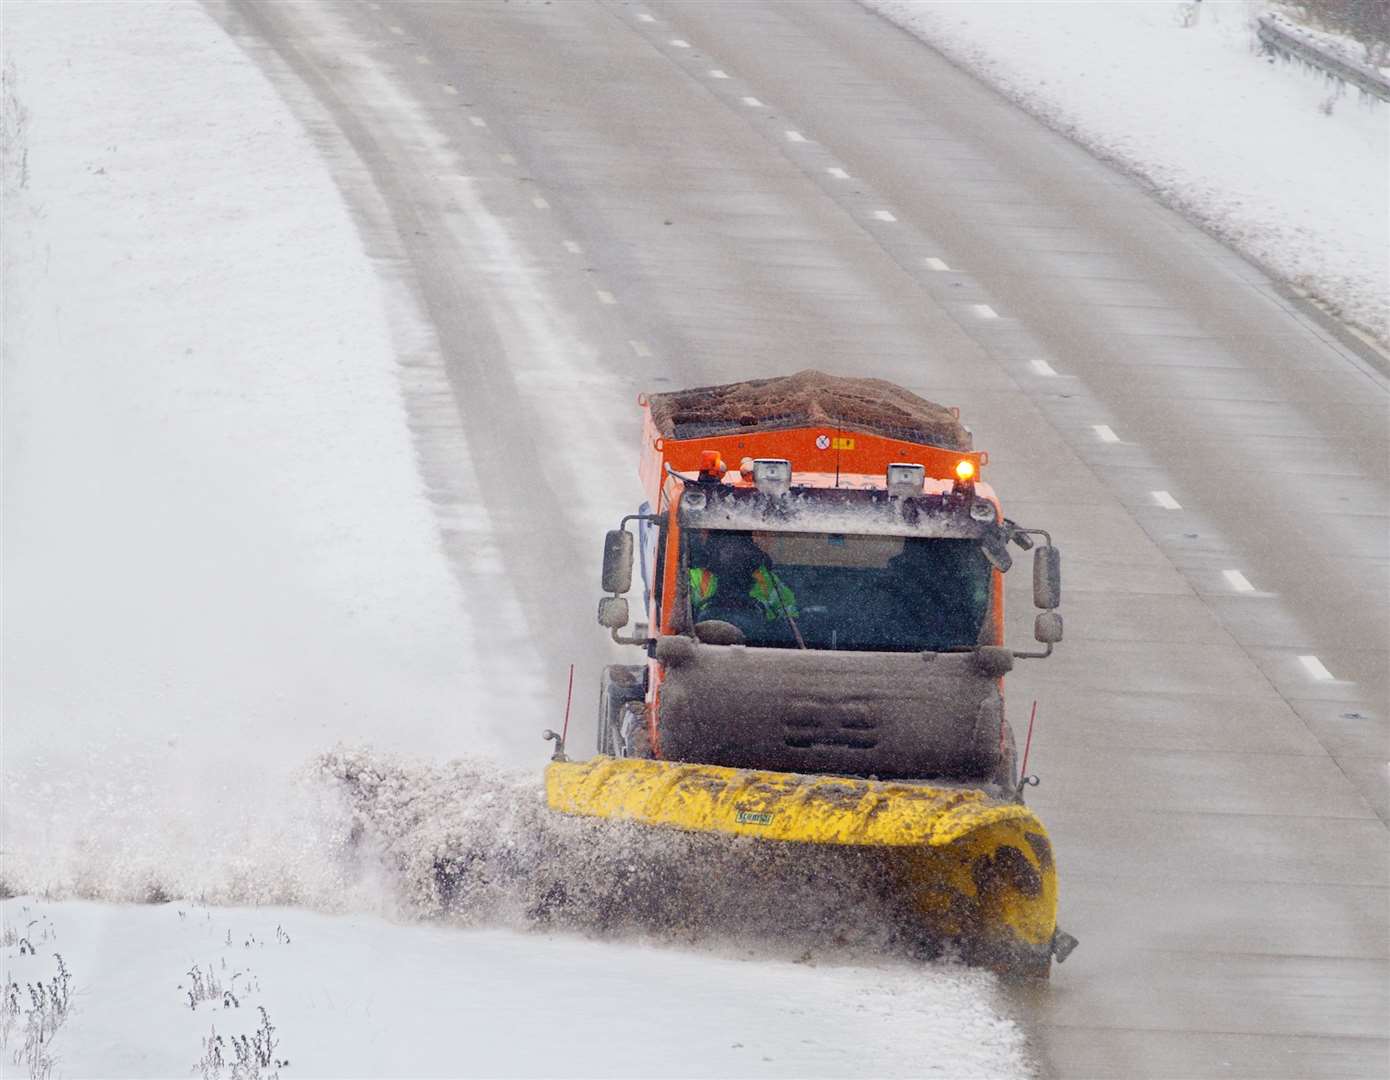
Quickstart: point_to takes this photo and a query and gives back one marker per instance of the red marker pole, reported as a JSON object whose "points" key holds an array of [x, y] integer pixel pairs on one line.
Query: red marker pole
{"points": [[569, 696], [1028, 743]]}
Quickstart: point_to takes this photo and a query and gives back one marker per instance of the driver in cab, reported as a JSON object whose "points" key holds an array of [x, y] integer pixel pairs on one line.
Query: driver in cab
{"points": [[729, 575]]}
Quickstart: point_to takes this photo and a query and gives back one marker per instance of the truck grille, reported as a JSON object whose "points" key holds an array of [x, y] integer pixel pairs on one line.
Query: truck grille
{"points": [[844, 725]]}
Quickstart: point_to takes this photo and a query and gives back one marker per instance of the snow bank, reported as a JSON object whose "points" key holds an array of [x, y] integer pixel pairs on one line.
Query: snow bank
{"points": [[352, 996], [218, 556], [1290, 169]]}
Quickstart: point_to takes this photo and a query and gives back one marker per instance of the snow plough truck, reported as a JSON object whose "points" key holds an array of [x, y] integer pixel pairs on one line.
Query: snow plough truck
{"points": [[822, 612]]}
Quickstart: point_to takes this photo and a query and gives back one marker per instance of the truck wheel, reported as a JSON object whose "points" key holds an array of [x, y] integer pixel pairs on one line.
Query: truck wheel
{"points": [[636, 743], [605, 720], [1006, 773], [620, 684]]}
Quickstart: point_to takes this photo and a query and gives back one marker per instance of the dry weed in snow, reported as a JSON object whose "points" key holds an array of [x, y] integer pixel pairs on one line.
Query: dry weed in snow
{"points": [[241, 1057], [30, 1017]]}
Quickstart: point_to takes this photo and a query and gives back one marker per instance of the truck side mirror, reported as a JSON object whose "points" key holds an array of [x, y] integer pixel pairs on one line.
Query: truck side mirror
{"points": [[1047, 578], [617, 563], [612, 612], [1047, 627]]}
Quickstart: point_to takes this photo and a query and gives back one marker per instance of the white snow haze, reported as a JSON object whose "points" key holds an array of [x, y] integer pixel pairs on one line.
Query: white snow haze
{"points": [[256, 718]]}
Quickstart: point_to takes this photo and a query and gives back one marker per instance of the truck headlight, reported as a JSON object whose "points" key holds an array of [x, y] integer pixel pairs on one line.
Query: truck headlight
{"points": [[906, 479], [772, 476]]}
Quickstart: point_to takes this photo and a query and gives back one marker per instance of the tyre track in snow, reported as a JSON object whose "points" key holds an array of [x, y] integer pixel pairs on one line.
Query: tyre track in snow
{"points": [[502, 346]]}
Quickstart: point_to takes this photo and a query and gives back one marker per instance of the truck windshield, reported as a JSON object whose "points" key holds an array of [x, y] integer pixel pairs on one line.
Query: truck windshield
{"points": [[870, 593]]}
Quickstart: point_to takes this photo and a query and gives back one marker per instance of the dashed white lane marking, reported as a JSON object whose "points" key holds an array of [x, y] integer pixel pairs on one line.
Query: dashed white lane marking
{"points": [[752, 103], [1237, 581], [1042, 367], [642, 16], [680, 43], [506, 159], [396, 30], [984, 311], [451, 89], [1165, 500], [477, 121], [573, 248], [639, 348], [539, 203], [933, 263], [1104, 434], [715, 73], [795, 136], [837, 172], [884, 215], [423, 59], [605, 297], [1315, 668]]}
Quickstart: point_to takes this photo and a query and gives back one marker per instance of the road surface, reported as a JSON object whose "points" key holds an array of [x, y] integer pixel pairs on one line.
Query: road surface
{"points": [[680, 194]]}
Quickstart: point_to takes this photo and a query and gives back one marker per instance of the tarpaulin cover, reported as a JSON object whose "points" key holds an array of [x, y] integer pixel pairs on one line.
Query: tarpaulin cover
{"points": [[808, 399]]}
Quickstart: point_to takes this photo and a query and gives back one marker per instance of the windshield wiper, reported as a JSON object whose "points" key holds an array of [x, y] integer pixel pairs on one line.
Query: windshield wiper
{"points": [[777, 594]]}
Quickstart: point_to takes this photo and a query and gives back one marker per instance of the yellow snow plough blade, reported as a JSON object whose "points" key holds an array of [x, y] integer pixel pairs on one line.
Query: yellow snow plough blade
{"points": [[979, 870]]}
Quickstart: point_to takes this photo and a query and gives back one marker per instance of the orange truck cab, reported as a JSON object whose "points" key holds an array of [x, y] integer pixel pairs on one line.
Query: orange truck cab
{"points": [[821, 587]]}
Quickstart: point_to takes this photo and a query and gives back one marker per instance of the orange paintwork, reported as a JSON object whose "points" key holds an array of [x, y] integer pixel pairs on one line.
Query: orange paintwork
{"points": [[846, 452]]}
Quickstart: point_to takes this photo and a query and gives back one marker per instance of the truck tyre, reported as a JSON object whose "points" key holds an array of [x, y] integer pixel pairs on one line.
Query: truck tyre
{"points": [[636, 743], [1006, 772], [620, 684]]}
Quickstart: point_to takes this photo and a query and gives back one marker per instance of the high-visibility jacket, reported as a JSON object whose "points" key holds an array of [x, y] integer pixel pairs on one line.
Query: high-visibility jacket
{"points": [[767, 591], [776, 600], [703, 585]]}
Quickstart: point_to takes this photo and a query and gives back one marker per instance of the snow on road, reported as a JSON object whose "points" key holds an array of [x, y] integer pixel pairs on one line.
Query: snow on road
{"points": [[220, 560], [1290, 169]]}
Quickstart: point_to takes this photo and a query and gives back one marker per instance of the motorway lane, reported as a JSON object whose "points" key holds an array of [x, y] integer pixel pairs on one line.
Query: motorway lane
{"points": [[839, 196]]}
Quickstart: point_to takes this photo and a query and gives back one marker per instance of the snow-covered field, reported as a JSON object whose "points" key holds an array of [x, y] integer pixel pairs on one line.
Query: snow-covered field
{"points": [[221, 561], [350, 995], [218, 556], [1289, 168]]}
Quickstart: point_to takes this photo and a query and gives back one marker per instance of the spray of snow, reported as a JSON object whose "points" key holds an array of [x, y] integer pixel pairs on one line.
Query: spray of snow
{"points": [[469, 842], [475, 844], [772, 961]]}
